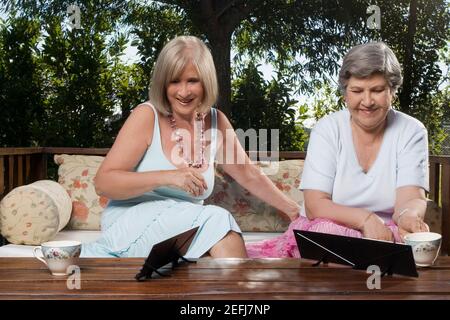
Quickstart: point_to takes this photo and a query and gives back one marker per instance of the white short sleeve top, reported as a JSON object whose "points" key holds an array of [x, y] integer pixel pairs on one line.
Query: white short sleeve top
{"points": [[332, 166]]}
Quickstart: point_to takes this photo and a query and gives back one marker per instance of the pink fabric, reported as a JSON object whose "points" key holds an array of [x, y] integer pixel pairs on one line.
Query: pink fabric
{"points": [[285, 246]]}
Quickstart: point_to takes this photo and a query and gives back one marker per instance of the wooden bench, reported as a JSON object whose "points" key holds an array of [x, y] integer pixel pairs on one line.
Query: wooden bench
{"points": [[20, 166]]}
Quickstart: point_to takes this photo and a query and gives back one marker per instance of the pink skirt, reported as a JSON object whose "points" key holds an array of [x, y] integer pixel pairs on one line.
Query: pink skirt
{"points": [[285, 246]]}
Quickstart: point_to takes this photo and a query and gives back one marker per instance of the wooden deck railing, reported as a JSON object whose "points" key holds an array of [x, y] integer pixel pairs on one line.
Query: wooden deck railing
{"points": [[20, 166], [440, 194]]}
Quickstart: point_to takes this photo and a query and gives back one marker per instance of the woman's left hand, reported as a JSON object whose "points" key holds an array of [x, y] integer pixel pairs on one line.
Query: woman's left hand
{"points": [[293, 215], [293, 212], [412, 223]]}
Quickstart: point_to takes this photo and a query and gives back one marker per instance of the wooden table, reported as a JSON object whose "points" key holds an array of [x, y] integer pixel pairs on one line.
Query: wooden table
{"points": [[226, 279]]}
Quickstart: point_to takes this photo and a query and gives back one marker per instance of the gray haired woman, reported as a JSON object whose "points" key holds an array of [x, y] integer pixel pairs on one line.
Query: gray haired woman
{"points": [[366, 170]]}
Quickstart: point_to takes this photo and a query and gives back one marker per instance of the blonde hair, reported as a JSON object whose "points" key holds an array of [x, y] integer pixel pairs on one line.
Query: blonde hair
{"points": [[173, 58]]}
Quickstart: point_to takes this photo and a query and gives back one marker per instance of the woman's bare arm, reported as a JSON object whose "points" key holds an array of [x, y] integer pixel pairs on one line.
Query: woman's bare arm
{"points": [[116, 178], [249, 175]]}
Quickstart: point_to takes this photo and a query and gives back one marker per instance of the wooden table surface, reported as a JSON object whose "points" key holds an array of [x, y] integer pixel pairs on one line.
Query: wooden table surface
{"points": [[225, 279]]}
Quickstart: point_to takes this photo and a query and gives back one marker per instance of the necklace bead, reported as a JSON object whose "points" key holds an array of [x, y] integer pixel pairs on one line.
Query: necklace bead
{"points": [[199, 140]]}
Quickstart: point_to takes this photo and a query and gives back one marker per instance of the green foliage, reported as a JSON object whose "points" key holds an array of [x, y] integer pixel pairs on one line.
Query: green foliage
{"points": [[129, 89], [435, 108], [283, 115], [78, 84], [326, 100], [258, 104], [305, 41], [152, 25], [80, 80], [427, 37], [70, 88], [302, 39], [20, 83]]}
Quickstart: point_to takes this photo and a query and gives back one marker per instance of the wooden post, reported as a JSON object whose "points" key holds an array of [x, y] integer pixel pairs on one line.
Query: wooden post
{"points": [[434, 181], [27, 168], [445, 191], [20, 180], [38, 167], [10, 172], [2, 176]]}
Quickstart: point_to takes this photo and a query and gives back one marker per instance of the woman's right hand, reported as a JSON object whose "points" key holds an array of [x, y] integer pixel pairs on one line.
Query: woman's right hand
{"points": [[189, 180], [374, 228]]}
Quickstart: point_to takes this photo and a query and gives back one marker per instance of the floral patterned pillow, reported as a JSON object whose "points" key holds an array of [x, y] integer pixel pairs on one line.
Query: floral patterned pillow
{"points": [[76, 174], [251, 213], [34, 213]]}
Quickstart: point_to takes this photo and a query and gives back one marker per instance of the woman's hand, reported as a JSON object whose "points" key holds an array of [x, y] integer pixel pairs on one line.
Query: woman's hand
{"points": [[294, 212], [189, 180], [374, 228], [410, 208], [410, 222]]}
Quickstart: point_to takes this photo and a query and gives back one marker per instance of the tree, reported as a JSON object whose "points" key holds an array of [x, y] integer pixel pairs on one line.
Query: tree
{"points": [[417, 32], [20, 83], [258, 104], [129, 84], [303, 40], [79, 89], [280, 26], [78, 82]]}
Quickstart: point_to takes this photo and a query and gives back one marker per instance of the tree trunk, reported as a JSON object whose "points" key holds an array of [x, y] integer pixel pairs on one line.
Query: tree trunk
{"points": [[218, 19], [405, 96], [220, 49]]}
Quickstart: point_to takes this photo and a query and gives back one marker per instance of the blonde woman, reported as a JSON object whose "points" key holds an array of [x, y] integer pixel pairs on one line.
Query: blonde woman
{"points": [[161, 166]]}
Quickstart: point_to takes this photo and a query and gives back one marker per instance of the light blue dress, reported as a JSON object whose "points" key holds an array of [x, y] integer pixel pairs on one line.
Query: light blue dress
{"points": [[131, 227]]}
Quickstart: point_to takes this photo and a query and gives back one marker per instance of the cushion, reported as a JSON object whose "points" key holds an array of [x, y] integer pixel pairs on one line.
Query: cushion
{"points": [[76, 174], [34, 213], [251, 213]]}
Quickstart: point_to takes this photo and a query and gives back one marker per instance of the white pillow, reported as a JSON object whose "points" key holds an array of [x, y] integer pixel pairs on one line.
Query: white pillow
{"points": [[34, 213]]}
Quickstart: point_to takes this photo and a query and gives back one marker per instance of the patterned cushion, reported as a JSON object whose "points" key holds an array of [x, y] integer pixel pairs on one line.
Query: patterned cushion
{"points": [[251, 213], [34, 213], [76, 174]]}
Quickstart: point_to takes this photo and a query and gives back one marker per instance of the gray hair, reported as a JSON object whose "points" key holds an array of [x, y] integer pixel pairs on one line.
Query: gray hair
{"points": [[366, 59], [173, 58]]}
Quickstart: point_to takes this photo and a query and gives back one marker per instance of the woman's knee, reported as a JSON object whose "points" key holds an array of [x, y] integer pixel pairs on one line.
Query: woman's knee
{"points": [[235, 236], [231, 245]]}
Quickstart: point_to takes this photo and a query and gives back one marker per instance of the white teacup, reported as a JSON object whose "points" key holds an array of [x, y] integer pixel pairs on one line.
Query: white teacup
{"points": [[425, 247], [59, 255]]}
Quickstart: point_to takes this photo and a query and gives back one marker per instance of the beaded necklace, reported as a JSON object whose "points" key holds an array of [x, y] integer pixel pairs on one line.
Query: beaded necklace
{"points": [[199, 140]]}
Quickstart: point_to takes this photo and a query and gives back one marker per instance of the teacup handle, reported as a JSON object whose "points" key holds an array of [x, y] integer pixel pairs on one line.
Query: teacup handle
{"points": [[37, 257]]}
